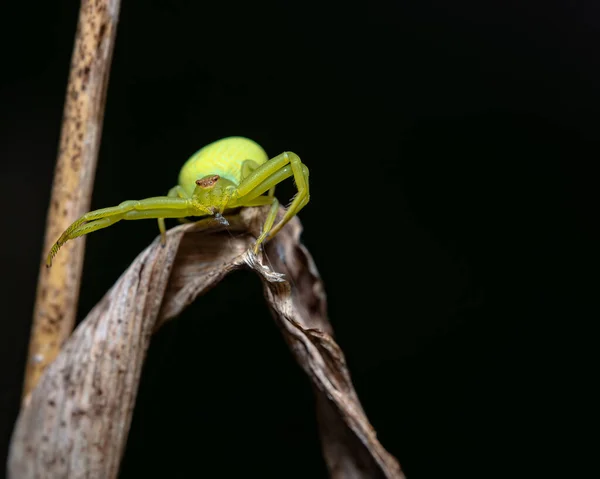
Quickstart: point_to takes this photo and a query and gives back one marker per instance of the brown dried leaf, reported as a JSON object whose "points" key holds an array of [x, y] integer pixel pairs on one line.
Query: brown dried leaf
{"points": [[77, 421]]}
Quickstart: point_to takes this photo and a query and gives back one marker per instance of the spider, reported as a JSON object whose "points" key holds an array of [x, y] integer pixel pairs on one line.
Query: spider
{"points": [[226, 174]]}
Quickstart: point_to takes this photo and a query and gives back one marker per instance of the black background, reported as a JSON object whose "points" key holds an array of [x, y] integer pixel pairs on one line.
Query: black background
{"points": [[453, 218]]}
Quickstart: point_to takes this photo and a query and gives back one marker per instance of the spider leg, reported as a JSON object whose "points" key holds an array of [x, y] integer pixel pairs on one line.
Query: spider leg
{"points": [[93, 226], [175, 192], [158, 207], [266, 176], [260, 201], [249, 166], [302, 197]]}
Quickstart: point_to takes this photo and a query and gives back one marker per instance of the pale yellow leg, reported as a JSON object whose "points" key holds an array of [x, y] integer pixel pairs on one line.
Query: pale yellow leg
{"points": [[158, 207], [94, 226], [263, 179], [248, 166], [270, 219], [301, 199], [176, 191], [267, 175], [268, 224]]}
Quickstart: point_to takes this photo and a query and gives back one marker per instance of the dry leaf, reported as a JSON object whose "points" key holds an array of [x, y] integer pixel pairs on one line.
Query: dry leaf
{"points": [[77, 421]]}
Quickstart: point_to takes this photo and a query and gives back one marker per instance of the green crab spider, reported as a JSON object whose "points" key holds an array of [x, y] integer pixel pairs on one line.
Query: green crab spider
{"points": [[229, 173]]}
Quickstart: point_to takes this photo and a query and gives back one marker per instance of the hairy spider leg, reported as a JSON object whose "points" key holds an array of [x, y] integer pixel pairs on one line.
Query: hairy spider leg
{"points": [[264, 178], [157, 207]]}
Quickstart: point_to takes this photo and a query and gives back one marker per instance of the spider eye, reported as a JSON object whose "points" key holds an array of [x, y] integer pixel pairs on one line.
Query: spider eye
{"points": [[208, 181]]}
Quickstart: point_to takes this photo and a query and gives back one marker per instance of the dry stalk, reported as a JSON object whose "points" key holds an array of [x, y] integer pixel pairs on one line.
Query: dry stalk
{"points": [[58, 287]]}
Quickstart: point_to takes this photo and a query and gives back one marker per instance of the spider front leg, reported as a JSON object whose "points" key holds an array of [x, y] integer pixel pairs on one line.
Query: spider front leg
{"points": [[158, 207], [175, 192], [263, 179]]}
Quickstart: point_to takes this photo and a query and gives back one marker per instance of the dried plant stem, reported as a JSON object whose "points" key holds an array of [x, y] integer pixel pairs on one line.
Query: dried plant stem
{"points": [[58, 287]]}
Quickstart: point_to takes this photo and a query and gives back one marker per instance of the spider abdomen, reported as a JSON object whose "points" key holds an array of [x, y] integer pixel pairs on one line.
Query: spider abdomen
{"points": [[224, 157]]}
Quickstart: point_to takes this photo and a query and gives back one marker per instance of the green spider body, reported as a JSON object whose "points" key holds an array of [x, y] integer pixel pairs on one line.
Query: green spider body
{"points": [[224, 158], [229, 173]]}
